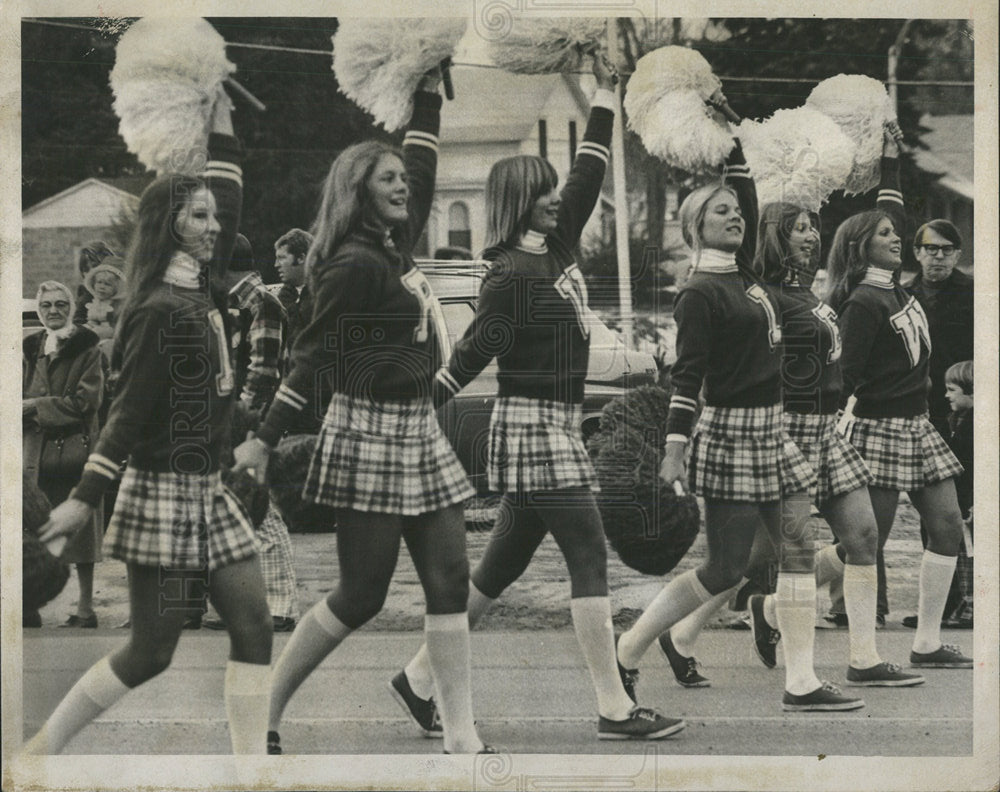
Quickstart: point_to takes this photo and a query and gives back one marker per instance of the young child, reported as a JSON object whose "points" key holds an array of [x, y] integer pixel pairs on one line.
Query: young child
{"points": [[958, 392], [105, 282]]}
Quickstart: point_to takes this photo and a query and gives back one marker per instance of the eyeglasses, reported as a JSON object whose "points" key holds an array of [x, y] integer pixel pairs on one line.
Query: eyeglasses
{"points": [[59, 305], [944, 250]]}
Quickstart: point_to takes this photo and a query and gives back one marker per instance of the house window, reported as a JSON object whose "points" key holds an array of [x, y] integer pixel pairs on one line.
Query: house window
{"points": [[459, 234]]}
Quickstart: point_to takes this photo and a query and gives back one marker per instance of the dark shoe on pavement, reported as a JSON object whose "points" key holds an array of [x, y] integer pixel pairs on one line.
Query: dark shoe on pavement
{"points": [[741, 622], [948, 656], [882, 675], [193, 623], [31, 619], [212, 624], [838, 619], [765, 637], [283, 623], [422, 712], [879, 621], [629, 676], [685, 668], [910, 621], [642, 723], [86, 622], [273, 743], [825, 698]]}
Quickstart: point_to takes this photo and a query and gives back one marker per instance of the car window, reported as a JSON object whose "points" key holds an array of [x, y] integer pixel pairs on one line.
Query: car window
{"points": [[457, 317]]}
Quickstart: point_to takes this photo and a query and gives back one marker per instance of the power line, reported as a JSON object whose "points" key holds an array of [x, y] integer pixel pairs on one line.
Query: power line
{"points": [[329, 54]]}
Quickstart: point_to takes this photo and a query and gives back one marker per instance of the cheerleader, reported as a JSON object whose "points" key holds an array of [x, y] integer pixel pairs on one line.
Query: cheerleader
{"points": [[787, 252], [381, 460], [885, 365], [177, 528], [740, 459], [532, 316]]}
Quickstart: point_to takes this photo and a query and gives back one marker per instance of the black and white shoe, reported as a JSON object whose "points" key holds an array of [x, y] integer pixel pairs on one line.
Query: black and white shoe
{"points": [[273, 743], [629, 676], [882, 675], [825, 698], [685, 668], [642, 723], [765, 637], [423, 712]]}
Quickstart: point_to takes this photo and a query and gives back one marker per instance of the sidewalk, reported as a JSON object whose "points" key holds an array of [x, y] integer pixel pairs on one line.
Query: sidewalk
{"points": [[539, 600]]}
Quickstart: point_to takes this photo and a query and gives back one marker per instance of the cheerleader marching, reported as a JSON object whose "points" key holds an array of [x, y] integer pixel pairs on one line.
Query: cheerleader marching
{"points": [[756, 425]]}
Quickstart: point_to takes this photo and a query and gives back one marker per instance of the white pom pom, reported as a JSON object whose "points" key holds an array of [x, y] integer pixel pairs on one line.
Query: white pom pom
{"points": [[679, 130], [546, 46], [799, 156], [165, 80], [379, 62], [665, 104], [860, 106]]}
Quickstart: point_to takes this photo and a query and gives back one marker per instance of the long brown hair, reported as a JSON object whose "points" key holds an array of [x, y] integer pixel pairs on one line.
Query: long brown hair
{"points": [[849, 254], [773, 259], [345, 203], [155, 240]]}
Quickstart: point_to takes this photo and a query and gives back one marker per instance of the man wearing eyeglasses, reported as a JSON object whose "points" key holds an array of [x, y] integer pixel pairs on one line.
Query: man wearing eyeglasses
{"points": [[947, 298]]}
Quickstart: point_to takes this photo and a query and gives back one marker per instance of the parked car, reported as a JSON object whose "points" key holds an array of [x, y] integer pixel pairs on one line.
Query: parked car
{"points": [[465, 419], [30, 322]]}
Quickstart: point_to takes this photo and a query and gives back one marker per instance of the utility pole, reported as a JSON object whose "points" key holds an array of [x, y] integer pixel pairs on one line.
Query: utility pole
{"points": [[894, 51]]}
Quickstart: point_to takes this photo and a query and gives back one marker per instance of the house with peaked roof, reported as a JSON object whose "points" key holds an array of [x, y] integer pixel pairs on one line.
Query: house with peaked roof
{"points": [[949, 155], [54, 230], [494, 115]]}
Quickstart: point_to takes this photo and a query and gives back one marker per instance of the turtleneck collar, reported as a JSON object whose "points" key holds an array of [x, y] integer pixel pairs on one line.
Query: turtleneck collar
{"points": [[876, 276], [717, 261], [533, 242], [183, 271]]}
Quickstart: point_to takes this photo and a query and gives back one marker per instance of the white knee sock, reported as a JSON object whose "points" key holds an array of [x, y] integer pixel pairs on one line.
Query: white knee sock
{"points": [[828, 565], [247, 693], [936, 572], [770, 611], [316, 635], [447, 639], [418, 670], [678, 598], [596, 636], [685, 633], [860, 596], [93, 693], [795, 608]]}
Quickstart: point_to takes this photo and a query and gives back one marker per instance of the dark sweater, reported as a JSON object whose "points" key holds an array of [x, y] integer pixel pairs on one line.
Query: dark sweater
{"points": [[811, 376], [372, 334], [173, 397], [728, 336], [532, 314]]}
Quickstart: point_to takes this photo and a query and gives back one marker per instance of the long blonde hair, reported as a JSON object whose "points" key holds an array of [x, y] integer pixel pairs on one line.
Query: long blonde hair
{"points": [[345, 201], [513, 186]]}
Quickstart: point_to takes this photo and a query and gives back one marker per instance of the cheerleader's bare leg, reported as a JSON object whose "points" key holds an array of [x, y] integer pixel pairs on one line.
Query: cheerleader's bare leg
{"points": [[436, 542], [937, 504], [155, 630], [367, 550], [730, 527]]}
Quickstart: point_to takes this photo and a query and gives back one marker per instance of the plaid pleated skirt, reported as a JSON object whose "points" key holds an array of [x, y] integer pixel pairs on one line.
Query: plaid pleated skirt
{"points": [[536, 445], [744, 454], [839, 467], [178, 521], [386, 456], [903, 453]]}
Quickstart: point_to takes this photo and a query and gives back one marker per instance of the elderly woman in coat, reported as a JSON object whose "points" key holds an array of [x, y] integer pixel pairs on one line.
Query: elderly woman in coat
{"points": [[63, 383]]}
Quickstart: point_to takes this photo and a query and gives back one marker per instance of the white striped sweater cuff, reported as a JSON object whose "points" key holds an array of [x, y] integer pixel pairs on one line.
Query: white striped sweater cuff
{"points": [[676, 438], [595, 150], [683, 403], [220, 169], [100, 464], [293, 399], [445, 378], [736, 172], [890, 195], [417, 138]]}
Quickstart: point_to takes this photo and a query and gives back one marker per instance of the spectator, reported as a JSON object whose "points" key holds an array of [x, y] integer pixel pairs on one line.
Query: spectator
{"points": [[62, 390], [946, 296], [105, 286], [91, 254]]}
